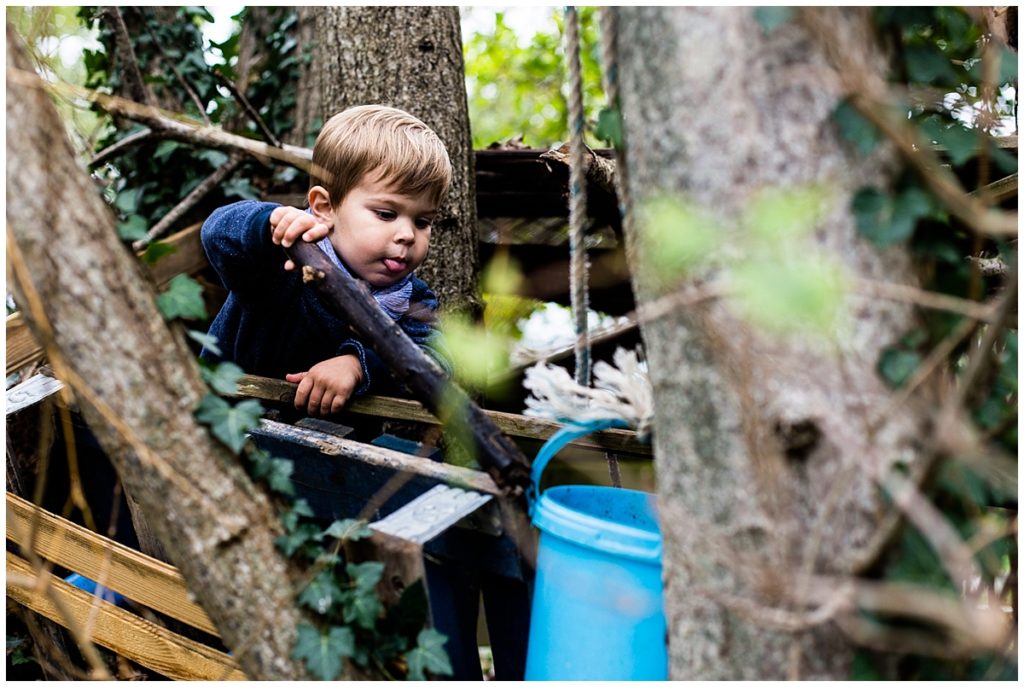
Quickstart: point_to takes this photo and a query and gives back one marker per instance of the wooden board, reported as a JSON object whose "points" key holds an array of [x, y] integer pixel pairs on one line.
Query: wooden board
{"points": [[120, 631], [22, 348], [143, 579]]}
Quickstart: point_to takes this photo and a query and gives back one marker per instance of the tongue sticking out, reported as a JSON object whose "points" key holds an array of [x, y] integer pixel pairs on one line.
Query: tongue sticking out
{"points": [[394, 265]]}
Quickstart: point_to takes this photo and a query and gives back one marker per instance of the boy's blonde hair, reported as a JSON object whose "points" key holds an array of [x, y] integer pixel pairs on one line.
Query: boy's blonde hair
{"points": [[392, 142]]}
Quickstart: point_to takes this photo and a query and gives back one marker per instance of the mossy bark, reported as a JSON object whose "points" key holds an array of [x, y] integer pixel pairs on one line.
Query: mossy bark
{"points": [[717, 108], [411, 58], [137, 384]]}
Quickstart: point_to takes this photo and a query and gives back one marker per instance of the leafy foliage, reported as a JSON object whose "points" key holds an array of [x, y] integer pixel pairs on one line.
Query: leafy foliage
{"points": [[183, 298], [429, 656], [324, 652]]}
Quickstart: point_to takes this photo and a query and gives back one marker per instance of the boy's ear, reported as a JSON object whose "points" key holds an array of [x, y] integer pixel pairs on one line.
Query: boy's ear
{"points": [[320, 204]]}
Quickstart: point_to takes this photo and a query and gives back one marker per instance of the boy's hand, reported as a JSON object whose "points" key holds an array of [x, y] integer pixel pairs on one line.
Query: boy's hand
{"points": [[326, 386], [288, 224]]}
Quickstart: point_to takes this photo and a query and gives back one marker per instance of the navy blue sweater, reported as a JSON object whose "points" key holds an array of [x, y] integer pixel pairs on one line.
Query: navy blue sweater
{"points": [[273, 324]]}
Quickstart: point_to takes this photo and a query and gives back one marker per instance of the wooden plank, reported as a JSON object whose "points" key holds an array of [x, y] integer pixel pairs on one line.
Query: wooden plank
{"points": [[123, 632], [30, 392], [1000, 190], [22, 348], [143, 579], [280, 391]]}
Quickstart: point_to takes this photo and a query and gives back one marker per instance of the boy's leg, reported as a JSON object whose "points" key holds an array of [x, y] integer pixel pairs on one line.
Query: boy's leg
{"points": [[507, 610], [454, 595]]}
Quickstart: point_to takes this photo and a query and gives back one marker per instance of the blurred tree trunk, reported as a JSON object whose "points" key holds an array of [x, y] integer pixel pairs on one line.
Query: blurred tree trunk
{"points": [[411, 58], [764, 463], [137, 385]]}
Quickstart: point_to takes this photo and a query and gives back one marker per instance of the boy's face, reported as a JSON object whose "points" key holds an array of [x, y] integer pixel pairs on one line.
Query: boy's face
{"points": [[381, 234]]}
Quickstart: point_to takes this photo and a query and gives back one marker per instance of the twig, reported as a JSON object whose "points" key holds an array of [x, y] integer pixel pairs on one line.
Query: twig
{"points": [[989, 267], [191, 200], [926, 299], [177, 74], [268, 135], [132, 74], [984, 352], [597, 169], [115, 149], [174, 126]]}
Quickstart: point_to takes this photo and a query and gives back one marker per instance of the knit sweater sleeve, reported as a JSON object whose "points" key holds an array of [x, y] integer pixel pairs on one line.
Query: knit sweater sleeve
{"points": [[237, 242]]}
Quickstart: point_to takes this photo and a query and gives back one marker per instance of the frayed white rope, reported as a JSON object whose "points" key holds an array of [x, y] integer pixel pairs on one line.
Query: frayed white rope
{"points": [[622, 391]]}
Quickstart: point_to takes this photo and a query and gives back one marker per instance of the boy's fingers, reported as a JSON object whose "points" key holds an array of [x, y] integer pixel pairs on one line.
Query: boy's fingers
{"points": [[289, 265], [327, 404], [295, 376], [302, 393], [313, 407], [338, 403]]}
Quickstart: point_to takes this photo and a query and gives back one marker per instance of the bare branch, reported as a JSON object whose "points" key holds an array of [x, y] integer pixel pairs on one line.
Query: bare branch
{"points": [[191, 200], [268, 135], [925, 299], [982, 355], [118, 148], [125, 52]]}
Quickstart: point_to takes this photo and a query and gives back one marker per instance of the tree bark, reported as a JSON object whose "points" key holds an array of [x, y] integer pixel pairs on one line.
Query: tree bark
{"points": [[411, 58], [137, 385], [745, 508]]}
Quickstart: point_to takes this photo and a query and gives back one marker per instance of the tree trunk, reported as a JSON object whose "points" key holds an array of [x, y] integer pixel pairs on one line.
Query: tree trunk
{"points": [[745, 506], [137, 385], [411, 58]]}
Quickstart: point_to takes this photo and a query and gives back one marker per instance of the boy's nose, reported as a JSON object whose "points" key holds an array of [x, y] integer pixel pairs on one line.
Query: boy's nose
{"points": [[404, 231]]}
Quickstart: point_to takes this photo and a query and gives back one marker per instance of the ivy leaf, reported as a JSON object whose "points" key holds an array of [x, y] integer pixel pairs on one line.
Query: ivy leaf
{"points": [[279, 478], [365, 575], [884, 220], [215, 158], [323, 652], [133, 228], [797, 295], [223, 378], [207, 341], [897, 365], [855, 129], [290, 518], [289, 544], [609, 127], [183, 298], [961, 143], [164, 150], [927, 64], [229, 423], [349, 530], [679, 235], [362, 607], [429, 655], [157, 250], [322, 593], [127, 200], [771, 18]]}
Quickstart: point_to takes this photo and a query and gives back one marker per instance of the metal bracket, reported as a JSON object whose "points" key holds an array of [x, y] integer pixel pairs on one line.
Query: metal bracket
{"points": [[431, 513]]}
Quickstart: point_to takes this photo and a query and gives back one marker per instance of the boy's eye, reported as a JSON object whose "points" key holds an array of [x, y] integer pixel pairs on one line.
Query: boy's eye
{"points": [[424, 223], [386, 215]]}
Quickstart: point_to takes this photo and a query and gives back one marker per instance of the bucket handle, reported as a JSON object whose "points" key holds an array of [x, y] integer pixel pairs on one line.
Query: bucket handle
{"points": [[569, 432]]}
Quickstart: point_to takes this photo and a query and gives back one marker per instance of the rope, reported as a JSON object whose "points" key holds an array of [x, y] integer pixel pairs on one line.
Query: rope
{"points": [[577, 201]]}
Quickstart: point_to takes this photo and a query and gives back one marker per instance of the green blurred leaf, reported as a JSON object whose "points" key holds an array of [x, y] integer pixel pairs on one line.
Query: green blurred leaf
{"points": [[324, 652], [927, 64], [863, 667], [223, 378], [127, 200], [884, 220], [855, 129], [771, 18], [609, 127], [365, 575], [478, 355], [428, 656], [897, 365], [677, 235], [229, 423], [349, 529], [776, 214], [133, 228], [322, 593], [164, 150], [961, 143], [279, 477], [303, 538], [207, 341], [183, 298], [156, 250], [803, 295]]}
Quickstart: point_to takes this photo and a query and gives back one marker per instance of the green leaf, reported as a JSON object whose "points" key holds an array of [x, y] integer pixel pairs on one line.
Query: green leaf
{"points": [[609, 127], [771, 18], [365, 575], [215, 158], [897, 366], [428, 656], [207, 341], [322, 593], [323, 652], [349, 530], [362, 607], [164, 150], [855, 129], [926, 63], [796, 295], [677, 235], [776, 214], [133, 228], [863, 667], [229, 423], [183, 298], [279, 478], [304, 533], [884, 220], [127, 200], [223, 378], [961, 143], [157, 250], [290, 517]]}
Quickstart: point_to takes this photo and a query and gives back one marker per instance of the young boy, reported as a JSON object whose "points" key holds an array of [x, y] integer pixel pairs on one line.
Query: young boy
{"points": [[379, 175]]}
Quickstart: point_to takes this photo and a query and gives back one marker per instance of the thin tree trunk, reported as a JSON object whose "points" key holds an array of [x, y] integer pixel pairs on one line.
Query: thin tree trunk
{"points": [[764, 462], [137, 385], [411, 58]]}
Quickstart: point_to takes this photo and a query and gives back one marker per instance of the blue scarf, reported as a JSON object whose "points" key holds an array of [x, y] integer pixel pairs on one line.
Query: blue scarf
{"points": [[394, 299]]}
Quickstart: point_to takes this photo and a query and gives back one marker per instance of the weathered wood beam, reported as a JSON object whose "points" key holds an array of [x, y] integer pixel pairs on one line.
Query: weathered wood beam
{"points": [[352, 300], [135, 575], [122, 632], [280, 391]]}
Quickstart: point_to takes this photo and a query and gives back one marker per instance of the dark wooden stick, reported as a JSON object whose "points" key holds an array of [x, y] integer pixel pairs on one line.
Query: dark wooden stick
{"points": [[351, 299], [254, 115]]}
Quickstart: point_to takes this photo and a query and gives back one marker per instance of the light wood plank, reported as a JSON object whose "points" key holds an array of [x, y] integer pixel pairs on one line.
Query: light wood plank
{"points": [[616, 440], [123, 632], [22, 348], [143, 579]]}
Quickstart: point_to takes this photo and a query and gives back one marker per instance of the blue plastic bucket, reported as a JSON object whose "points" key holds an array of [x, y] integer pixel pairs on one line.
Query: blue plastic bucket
{"points": [[598, 609]]}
